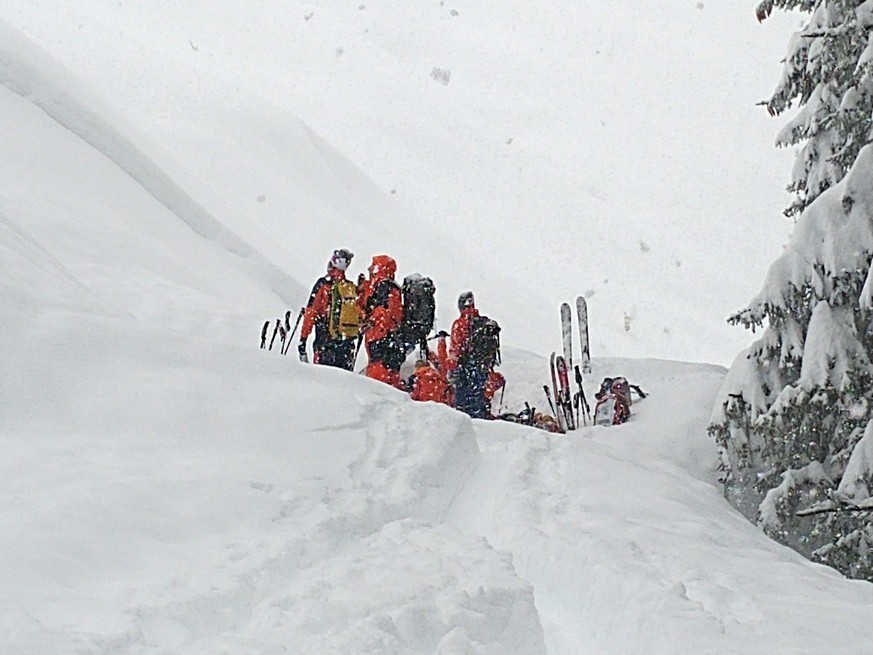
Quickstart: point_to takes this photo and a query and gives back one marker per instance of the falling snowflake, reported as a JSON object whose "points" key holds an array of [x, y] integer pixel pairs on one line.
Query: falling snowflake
{"points": [[441, 76]]}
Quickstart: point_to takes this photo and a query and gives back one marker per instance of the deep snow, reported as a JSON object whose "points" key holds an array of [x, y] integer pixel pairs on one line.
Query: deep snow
{"points": [[167, 487]]}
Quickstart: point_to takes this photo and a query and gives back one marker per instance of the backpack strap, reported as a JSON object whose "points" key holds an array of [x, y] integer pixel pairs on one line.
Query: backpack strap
{"points": [[317, 310], [319, 283], [380, 295], [466, 348], [468, 343], [383, 311]]}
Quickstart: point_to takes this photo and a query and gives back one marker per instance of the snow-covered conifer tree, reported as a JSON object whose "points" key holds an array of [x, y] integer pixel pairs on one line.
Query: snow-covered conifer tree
{"points": [[794, 419], [827, 72]]}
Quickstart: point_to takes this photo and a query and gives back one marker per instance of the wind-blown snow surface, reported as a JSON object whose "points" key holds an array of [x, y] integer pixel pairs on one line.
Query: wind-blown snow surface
{"points": [[169, 488]]}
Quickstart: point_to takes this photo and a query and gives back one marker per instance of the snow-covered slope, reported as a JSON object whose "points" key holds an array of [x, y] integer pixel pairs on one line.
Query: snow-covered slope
{"points": [[166, 487], [264, 174], [106, 228], [530, 153], [166, 493], [80, 235]]}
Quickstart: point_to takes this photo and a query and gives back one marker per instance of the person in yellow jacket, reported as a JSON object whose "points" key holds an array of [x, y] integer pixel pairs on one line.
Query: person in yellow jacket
{"points": [[327, 349]]}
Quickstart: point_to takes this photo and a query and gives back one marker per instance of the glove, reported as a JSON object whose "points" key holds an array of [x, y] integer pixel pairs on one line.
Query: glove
{"points": [[301, 348]]}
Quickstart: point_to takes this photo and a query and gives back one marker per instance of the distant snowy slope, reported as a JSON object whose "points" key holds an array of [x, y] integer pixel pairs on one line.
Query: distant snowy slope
{"points": [[269, 176], [77, 234], [33, 146], [529, 153]]}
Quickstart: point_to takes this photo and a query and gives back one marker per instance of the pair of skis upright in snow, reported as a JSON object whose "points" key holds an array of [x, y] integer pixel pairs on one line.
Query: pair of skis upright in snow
{"points": [[561, 365], [567, 333]]}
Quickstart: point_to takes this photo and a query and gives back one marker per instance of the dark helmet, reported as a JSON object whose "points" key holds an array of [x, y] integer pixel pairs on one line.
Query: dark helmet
{"points": [[341, 258], [465, 300]]}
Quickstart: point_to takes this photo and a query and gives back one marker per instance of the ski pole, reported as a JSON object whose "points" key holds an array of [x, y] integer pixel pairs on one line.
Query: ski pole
{"points": [[576, 403], [275, 331], [357, 349], [585, 406], [502, 390], [293, 332], [549, 398], [264, 335]]}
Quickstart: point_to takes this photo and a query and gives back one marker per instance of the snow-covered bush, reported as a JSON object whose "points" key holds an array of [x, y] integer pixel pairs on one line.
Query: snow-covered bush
{"points": [[794, 419]]}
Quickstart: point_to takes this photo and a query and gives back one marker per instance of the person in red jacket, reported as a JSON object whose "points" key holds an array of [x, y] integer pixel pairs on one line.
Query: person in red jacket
{"points": [[381, 305], [427, 383], [460, 336], [468, 375], [326, 350]]}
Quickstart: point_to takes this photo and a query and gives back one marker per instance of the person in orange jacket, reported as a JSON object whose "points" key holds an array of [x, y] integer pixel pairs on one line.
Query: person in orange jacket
{"points": [[493, 383], [326, 350], [427, 383], [381, 305], [440, 358]]}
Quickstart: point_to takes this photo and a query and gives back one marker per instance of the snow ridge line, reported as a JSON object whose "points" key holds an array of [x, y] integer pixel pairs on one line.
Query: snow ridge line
{"points": [[20, 246], [30, 72]]}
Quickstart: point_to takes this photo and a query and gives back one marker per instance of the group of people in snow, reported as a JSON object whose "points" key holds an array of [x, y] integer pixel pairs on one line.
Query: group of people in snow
{"points": [[392, 322]]}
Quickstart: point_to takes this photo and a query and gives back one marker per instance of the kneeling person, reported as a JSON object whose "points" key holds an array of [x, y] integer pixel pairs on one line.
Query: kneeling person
{"points": [[427, 383]]}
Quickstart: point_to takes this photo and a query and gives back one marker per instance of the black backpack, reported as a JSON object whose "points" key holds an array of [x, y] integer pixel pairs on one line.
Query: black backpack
{"points": [[484, 341], [419, 306]]}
